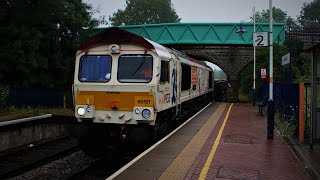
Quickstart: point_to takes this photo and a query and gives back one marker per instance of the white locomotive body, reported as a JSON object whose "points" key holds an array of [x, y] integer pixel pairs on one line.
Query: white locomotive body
{"points": [[122, 78]]}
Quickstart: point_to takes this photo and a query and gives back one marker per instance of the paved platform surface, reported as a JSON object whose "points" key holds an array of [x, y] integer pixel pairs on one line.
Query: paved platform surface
{"points": [[225, 141], [309, 157]]}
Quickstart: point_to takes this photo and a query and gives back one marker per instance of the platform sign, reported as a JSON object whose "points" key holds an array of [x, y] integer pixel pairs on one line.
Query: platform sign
{"points": [[286, 59], [260, 39], [263, 73]]}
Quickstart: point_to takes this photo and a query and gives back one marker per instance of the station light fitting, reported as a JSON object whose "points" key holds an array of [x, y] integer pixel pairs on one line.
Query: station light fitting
{"points": [[241, 31]]}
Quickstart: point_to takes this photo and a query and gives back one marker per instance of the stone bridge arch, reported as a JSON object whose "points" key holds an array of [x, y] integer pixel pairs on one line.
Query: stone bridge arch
{"points": [[231, 59]]}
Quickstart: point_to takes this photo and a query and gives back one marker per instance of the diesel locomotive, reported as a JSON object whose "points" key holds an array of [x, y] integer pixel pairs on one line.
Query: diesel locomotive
{"points": [[129, 87]]}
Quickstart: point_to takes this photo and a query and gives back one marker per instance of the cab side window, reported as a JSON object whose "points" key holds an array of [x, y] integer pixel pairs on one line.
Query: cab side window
{"points": [[165, 72], [210, 80], [186, 76]]}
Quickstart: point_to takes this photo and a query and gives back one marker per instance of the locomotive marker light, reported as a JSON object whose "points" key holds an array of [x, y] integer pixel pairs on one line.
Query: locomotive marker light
{"points": [[88, 109], [137, 111]]}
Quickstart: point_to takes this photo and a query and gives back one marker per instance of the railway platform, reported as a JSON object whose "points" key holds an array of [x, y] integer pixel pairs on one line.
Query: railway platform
{"points": [[224, 141]]}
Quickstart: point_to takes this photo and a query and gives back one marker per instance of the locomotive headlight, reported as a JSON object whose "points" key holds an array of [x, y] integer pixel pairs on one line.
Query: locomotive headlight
{"points": [[146, 113], [88, 109], [137, 111], [80, 111], [114, 48]]}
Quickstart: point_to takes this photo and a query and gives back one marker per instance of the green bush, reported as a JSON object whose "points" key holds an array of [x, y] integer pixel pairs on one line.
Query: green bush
{"points": [[4, 94], [285, 128]]}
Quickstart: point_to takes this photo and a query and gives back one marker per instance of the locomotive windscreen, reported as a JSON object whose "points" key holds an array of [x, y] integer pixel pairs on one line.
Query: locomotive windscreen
{"points": [[95, 68], [135, 68]]}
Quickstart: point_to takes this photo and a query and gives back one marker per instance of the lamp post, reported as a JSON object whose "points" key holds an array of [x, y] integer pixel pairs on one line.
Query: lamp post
{"points": [[270, 127], [241, 31], [254, 60]]}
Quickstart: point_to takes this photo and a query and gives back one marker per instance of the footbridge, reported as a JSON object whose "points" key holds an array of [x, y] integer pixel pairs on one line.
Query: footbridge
{"points": [[218, 43]]}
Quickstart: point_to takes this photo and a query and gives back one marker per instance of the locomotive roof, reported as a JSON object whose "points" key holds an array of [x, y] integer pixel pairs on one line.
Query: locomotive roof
{"points": [[114, 35]]}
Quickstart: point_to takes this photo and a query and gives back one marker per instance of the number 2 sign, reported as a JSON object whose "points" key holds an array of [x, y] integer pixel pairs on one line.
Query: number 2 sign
{"points": [[260, 39]]}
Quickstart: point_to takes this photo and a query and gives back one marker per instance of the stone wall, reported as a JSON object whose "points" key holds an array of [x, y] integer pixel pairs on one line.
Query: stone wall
{"points": [[15, 136]]}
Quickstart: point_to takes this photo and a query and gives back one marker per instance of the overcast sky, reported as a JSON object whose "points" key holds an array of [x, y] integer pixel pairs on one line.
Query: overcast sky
{"points": [[209, 10]]}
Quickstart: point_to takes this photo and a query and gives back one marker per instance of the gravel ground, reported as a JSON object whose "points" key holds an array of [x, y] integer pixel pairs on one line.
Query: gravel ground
{"points": [[59, 169]]}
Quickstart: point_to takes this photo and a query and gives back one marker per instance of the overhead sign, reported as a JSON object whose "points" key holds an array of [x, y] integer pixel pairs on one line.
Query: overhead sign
{"points": [[263, 73], [286, 59], [260, 39]]}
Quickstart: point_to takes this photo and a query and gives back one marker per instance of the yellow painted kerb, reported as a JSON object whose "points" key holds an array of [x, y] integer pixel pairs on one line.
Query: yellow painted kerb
{"points": [[205, 168]]}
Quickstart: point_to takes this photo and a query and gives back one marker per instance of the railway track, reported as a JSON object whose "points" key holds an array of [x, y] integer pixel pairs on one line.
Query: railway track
{"points": [[31, 141], [103, 167], [49, 159], [30, 158]]}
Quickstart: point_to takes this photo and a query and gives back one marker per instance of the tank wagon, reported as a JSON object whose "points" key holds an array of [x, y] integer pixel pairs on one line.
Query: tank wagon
{"points": [[129, 87]]}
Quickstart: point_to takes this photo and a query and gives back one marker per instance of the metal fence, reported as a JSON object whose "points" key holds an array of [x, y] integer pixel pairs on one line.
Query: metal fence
{"points": [[18, 96], [286, 97], [286, 100], [307, 110]]}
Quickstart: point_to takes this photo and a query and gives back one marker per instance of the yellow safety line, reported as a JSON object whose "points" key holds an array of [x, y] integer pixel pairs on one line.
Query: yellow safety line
{"points": [[205, 168]]}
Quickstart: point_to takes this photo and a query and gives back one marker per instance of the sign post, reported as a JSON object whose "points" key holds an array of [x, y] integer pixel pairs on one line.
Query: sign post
{"points": [[254, 60], [270, 128], [260, 39], [286, 59]]}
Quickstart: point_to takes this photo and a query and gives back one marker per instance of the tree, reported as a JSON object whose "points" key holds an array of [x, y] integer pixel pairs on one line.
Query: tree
{"points": [[39, 39], [145, 12], [309, 15], [278, 16], [301, 63]]}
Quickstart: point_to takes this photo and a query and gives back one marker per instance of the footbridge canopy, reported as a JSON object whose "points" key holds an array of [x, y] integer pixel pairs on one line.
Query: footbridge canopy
{"points": [[204, 33]]}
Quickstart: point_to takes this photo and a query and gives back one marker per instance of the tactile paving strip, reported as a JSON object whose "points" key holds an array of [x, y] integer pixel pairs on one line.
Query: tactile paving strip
{"points": [[180, 166]]}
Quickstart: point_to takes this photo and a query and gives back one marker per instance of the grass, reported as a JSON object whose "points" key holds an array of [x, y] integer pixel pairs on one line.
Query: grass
{"points": [[285, 129], [243, 97], [16, 113]]}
